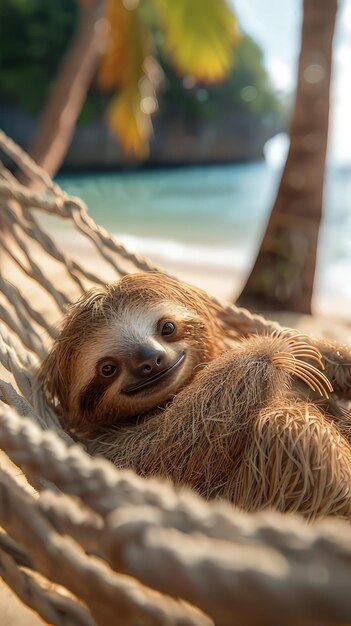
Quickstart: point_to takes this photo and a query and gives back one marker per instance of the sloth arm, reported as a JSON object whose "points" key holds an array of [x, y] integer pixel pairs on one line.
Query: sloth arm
{"points": [[205, 421], [297, 460], [215, 407], [234, 433], [337, 360]]}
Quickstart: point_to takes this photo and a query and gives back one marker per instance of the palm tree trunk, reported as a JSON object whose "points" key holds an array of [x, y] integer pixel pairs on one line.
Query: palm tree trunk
{"points": [[283, 274], [68, 92]]}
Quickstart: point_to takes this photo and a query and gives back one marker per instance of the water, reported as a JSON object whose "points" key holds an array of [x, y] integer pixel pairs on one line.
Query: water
{"points": [[212, 216]]}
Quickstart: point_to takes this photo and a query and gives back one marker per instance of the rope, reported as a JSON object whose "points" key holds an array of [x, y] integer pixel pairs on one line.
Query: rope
{"points": [[47, 243], [24, 309], [25, 163], [33, 271], [206, 553], [176, 545], [16, 361], [54, 608], [111, 598], [62, 205]]}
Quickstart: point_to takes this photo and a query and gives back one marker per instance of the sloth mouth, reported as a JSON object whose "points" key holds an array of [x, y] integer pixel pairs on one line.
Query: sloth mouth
{"points": [[153, 380]]}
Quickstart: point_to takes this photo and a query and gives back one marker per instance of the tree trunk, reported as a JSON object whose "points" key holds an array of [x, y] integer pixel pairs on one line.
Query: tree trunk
{"points": [[283, 275], [68, 92]]}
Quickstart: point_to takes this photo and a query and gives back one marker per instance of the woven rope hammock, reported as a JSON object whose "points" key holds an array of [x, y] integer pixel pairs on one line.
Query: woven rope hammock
{"points": [[93, 545]]}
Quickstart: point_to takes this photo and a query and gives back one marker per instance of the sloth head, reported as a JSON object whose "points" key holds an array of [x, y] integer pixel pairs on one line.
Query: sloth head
{"points": [[128, 348]]}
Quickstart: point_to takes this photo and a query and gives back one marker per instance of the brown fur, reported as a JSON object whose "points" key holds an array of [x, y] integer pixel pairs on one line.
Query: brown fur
{"points": [[61, 372], [234, 428]]}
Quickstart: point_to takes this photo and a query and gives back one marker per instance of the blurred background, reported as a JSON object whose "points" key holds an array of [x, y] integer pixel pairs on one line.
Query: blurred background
{"points": [[213, 136], [171, 119]]}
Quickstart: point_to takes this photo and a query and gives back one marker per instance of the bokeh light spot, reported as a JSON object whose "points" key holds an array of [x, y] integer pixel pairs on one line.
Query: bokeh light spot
{"points": [[130, 5], [148, 105], [314, 73], [189, 81], [249, 93], [202, 95]]}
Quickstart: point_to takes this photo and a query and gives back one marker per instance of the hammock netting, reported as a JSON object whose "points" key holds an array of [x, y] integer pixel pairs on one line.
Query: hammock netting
{"points": [[94, 545]]}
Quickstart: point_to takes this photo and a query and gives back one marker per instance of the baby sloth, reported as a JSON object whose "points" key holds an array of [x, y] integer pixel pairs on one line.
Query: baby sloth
{"points": [[128, 348], [146, 374]]}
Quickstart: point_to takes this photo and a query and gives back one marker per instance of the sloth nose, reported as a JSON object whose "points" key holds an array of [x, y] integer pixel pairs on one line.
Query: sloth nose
{"points": [[149, 359]]}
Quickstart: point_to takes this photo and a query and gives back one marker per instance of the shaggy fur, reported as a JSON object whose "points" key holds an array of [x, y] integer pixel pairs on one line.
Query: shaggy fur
{"points": [[237, 433], [234, 428], [100, 324]]}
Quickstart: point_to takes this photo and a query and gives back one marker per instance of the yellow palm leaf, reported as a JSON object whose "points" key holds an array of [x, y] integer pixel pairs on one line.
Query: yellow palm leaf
{"points": [[115, 61], [198, 36], [131, 124], [123, 68]]}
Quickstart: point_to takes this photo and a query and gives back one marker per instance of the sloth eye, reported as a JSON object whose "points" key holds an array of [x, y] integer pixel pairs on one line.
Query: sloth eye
{"points": [[107, 369], [168, 328]]}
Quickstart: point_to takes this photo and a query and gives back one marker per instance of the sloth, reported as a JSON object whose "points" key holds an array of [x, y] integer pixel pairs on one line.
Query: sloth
{"points": [[128, 348], [146, 374]]}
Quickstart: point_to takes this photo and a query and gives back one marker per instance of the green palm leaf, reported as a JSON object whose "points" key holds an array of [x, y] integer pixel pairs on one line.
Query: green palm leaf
{"points": [[198, 36], [123, 69]]}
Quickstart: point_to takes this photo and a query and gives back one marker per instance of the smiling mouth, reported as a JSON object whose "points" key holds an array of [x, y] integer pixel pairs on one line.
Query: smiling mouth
{"points": [[149, 382]]}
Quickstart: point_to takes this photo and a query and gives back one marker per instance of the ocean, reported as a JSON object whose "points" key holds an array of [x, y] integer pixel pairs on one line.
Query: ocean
{"points": [[213, 217]]}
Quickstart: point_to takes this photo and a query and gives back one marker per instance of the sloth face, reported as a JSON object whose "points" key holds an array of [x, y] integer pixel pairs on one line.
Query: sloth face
{"points": [[127, 348], [137, 361]]}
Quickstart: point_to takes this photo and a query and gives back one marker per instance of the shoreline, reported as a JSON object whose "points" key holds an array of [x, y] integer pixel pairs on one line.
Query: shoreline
{"points": [[330, 317], [222, 280]]}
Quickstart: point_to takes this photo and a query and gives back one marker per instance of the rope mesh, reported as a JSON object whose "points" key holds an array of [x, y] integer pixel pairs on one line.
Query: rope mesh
{"points": [[100, 546]]}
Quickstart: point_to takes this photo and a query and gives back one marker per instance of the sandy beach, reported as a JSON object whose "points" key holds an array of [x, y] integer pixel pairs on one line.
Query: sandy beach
{"points": [[331, 318], [224, 285]]}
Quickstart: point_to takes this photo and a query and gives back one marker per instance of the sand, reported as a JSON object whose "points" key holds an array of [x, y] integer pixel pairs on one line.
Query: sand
{"points": [[225, 285]]}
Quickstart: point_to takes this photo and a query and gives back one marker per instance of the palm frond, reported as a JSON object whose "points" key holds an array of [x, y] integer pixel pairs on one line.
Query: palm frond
{"points": [[198, 36]]}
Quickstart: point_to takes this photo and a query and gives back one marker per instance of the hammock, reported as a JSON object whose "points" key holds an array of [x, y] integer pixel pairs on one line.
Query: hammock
{"points": [[93, 545]]}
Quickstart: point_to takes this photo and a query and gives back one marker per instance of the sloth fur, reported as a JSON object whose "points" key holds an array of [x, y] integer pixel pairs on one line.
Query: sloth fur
{"points": [[226, 418]]}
